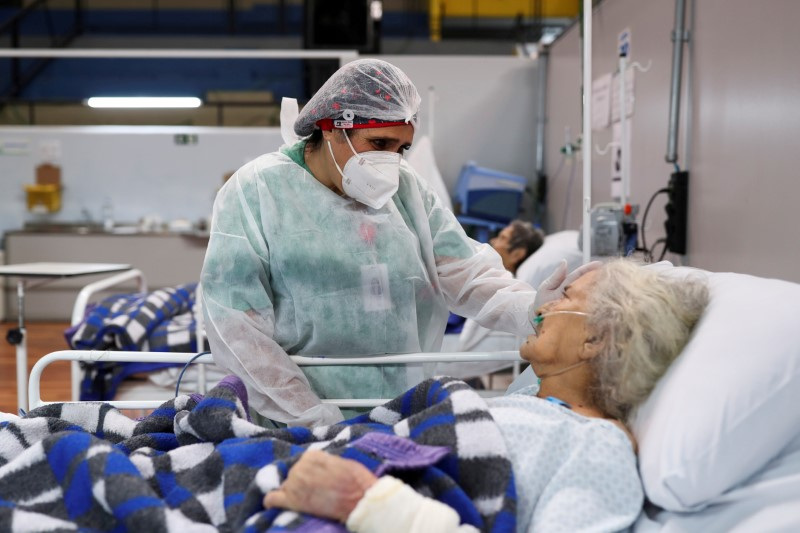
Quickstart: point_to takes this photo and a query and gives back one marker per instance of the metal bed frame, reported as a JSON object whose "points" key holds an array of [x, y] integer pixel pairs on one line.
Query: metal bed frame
{"points": [[82, 302], [95, 356]]}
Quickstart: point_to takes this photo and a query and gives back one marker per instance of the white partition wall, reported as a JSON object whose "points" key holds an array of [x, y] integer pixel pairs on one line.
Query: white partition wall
{"points": [[142, 170], [485, 110], [743, 183]]}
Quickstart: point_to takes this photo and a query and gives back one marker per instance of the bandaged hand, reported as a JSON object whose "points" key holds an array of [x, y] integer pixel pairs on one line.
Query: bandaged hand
{"points": [[322, 484], [553, 287]]}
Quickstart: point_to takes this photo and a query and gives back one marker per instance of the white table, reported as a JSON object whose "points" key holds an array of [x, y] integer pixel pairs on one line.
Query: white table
{"points": [[33, 275]]}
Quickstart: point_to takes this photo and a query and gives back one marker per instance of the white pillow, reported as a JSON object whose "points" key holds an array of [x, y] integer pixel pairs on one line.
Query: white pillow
{"points": [[543, 262], [731, 402]]}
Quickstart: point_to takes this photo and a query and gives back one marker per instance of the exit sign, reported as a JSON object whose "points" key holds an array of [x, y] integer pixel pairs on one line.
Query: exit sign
{"points": [[182, 139]]}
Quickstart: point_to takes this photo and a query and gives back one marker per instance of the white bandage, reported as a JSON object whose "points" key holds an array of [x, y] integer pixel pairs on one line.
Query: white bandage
{"points": [[410, 512]]}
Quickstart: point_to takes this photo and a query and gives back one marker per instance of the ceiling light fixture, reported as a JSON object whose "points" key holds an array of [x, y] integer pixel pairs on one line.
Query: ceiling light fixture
{"points": [[143, 102]]}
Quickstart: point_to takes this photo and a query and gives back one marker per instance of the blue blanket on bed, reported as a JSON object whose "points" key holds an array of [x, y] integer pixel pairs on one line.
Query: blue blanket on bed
{"points": [[159, 321], [198, 462]]}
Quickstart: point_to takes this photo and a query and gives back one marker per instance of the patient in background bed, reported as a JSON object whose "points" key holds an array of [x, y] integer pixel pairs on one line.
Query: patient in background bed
{"points": [[516, 242], [598, 353]]}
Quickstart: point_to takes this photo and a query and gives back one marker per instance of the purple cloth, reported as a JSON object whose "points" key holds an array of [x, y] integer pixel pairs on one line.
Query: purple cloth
{"points": [[320, 525], [236, 385], [196, 396], [233, 384], [399, 453]]}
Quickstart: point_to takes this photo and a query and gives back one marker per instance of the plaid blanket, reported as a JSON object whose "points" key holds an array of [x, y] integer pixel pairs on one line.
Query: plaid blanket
{"points": [[198, 464], [159, 321]]}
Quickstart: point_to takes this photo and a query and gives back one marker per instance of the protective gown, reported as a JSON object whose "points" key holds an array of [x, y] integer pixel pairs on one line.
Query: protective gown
{"points": [[293, 268]]}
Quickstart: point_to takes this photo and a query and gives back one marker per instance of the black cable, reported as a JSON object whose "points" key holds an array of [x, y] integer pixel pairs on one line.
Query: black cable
{"points": [[663, 251], [646, 210], [659, 241], [180, 376], [644, 253]]}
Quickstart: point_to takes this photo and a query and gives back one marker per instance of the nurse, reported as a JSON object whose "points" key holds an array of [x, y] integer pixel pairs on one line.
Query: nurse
{"points": [[335, 246]]}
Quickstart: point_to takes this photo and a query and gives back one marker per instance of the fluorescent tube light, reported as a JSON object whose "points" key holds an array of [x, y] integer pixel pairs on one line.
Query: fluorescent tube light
{"points": [[143, 102]]}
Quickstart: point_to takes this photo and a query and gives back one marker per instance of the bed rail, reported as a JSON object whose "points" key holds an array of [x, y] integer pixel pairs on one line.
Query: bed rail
{"points": [[79, 311], [79, 308], [95, 356]]}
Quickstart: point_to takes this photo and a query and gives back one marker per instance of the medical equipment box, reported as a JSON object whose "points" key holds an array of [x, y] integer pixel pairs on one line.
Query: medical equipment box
{"points": [[487, 194]]}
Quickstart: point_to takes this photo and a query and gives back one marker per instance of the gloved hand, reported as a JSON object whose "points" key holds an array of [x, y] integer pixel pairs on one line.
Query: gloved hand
{"points": [[553, 287]]}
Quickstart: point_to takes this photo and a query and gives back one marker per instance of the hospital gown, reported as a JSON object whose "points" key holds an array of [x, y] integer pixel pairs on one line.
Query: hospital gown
{"points": [[573, 473], [294, 268]]}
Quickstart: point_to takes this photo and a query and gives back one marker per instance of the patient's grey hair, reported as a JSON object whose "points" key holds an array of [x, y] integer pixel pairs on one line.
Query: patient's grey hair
{"points": [[643, 319]]}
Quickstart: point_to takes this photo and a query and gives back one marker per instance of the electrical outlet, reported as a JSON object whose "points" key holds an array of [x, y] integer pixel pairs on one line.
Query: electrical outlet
{"points": [[677, 209]]}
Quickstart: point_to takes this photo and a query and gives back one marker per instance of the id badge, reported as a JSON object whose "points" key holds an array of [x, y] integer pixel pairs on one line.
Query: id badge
{"points": [[375, 287]]}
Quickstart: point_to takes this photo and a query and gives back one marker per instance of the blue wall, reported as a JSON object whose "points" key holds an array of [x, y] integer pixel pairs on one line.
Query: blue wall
{"points": [[77, 79]]}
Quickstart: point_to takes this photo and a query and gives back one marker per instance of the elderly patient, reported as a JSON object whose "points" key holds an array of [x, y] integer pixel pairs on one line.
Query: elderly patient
{"points": [[598, 352]]}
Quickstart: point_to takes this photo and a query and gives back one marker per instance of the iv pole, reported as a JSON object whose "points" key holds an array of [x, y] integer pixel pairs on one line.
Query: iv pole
{"points": [[587, 130], [625, 194]]}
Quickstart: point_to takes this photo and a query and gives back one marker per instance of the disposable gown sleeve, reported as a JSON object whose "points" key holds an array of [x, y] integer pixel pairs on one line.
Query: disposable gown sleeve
{"points": [[471, 274], [239, 313]]}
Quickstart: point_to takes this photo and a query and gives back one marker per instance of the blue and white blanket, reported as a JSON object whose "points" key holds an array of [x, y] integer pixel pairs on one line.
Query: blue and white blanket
{"points": [[198, 464], [159, 321]]}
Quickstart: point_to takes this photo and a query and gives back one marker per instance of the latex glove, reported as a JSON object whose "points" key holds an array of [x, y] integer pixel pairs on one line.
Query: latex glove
{"points": [[553, 287]]}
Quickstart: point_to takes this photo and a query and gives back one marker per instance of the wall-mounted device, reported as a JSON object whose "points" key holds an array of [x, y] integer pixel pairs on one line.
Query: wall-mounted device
{"points": [[614, 229]]}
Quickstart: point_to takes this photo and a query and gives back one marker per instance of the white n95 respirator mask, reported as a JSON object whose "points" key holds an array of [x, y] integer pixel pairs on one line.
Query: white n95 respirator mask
{"points": [[369, 177]]}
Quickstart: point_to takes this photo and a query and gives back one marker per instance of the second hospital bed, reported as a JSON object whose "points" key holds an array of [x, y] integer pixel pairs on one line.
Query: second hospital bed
{"points": [[164, 320]]}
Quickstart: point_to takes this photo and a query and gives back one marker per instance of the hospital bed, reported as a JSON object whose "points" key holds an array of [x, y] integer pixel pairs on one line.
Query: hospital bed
{"points": [[182, 332], [719, 438], [206, 465]]}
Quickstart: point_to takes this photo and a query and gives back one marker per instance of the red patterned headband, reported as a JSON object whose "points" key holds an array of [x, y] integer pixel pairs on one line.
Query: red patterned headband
{"points": [[328, 124]]}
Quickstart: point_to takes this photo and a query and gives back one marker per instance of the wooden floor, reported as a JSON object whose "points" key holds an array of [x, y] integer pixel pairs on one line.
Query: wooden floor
{"points": [[43, 338]]}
